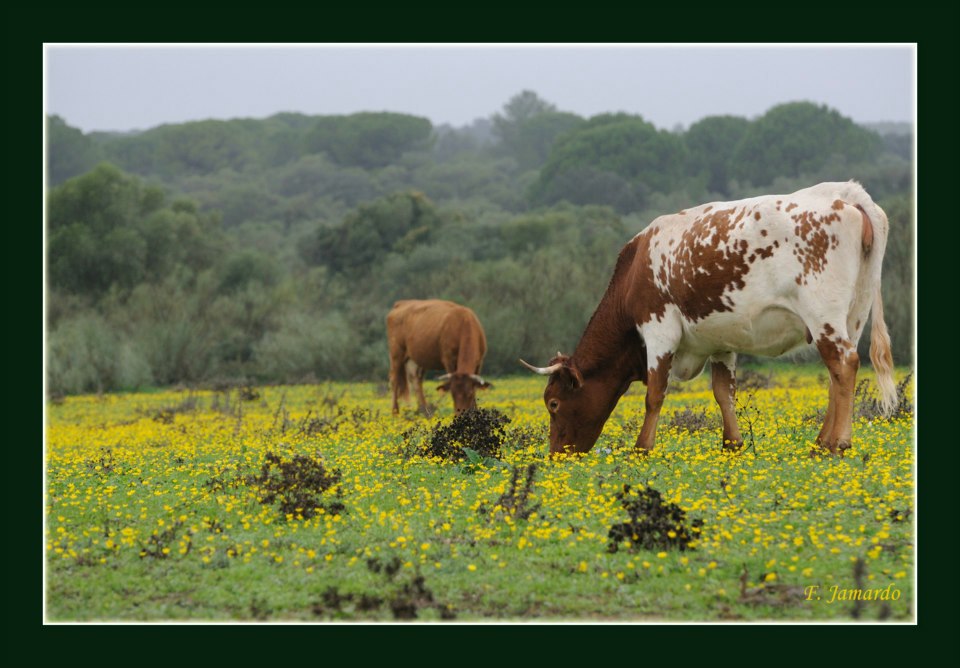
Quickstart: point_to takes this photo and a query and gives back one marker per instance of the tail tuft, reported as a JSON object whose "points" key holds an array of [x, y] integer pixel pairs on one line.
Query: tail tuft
{"points": [[881, 357]]}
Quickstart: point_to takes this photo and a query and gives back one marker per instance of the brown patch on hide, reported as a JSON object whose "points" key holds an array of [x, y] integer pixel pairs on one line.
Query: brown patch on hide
{"points": [[814, 241], [706, 243]]}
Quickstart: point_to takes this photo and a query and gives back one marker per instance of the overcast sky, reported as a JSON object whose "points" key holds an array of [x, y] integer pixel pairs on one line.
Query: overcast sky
{"points": [[139, 87]]}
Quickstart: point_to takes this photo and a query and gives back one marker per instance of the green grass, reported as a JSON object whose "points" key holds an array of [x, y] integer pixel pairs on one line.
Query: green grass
{"points": [[776, 519]]}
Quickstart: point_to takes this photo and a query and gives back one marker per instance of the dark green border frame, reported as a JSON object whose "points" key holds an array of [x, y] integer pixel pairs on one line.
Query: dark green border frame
{"points": [[932, 640]]}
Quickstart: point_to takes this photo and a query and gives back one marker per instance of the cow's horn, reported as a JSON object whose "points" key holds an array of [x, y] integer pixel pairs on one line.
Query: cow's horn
{"points": [[545, 370], [445, 376], [478, 378]]}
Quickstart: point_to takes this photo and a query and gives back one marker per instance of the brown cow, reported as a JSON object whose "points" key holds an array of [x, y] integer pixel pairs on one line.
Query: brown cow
{"points": [[436, 334], [763, 276]]}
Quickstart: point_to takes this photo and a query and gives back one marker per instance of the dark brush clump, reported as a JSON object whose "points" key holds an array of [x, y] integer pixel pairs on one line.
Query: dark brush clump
{"points": [[654, 523], [515, 501], [867, 405], [691, 420], [388, 568], [481, 429], [405, 597], [299, 485], [412, 596]]}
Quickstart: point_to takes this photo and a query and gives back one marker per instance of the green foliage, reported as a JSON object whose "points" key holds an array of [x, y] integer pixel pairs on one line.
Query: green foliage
{"points": [[84, 354], [522, 107], [244, 268], [242, 203], [392, 224], [473, 461], [449, 143], [102, 200], [173, 328], [109, 229], [497, 182], [368, 140], [307, 345], [70, 151], [192, 148], [710, 146], [611, 159], [798, 138], [284, 241], [529, 127], [316, 176]]}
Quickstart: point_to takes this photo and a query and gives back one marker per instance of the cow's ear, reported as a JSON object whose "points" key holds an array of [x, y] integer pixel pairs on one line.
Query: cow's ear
{"points": [[574, 378], [570, 375], [485, 385], [568, 371], [443, 388]]}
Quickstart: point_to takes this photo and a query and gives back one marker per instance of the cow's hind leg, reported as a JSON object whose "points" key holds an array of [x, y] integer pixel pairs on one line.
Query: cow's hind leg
{"points": [[723, 375], [398, 376], [830, 416], [839, 354]]}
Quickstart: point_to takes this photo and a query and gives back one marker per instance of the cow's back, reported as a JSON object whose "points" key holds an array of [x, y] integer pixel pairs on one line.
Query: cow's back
{"points": [[431, 331], [738, 271]]}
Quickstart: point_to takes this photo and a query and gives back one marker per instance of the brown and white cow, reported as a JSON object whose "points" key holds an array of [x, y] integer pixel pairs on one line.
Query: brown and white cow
{"points": [[436, 334], [764, 276]]}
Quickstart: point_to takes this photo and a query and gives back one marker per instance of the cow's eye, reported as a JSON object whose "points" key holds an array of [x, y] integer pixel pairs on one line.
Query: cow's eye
{"points": [[553, 405]]}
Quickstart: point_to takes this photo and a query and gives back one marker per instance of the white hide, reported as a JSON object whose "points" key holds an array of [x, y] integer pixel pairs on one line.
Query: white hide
{"points": [[771, 313]]}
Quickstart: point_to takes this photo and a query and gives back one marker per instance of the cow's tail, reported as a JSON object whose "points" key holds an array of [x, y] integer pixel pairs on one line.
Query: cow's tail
{"points": [[880, 355], [874, 229]]}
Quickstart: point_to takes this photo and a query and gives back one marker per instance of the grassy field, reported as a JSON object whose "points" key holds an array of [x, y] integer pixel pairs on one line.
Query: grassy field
{"points": [[314, 503]]}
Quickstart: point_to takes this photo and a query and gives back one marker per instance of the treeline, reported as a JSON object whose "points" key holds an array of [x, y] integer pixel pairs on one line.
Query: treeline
{"points": [[271, 250]]}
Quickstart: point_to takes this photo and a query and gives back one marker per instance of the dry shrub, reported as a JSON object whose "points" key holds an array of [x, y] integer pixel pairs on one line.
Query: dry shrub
{"points": [[654, 523]]}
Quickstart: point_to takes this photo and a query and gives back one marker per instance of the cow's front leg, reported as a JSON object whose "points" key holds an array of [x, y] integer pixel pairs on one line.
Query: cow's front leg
{"points": [[723, 375], [415, 380], [657, 377]]}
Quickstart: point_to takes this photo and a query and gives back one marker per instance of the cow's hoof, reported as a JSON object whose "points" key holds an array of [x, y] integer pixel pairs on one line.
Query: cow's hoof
{"points": [[820, 449], [826, 448], [732, 446]]}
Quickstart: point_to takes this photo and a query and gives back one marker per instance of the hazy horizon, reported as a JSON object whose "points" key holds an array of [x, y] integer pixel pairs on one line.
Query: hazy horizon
{"points": [[116, 88]]}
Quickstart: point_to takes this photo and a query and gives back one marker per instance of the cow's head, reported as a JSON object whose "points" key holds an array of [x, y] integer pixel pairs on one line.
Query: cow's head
{"points": [[578, 407], [463, 388]]}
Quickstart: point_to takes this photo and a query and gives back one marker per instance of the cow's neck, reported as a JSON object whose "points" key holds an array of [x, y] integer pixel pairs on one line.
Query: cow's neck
{"points": [[610, 349]]}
